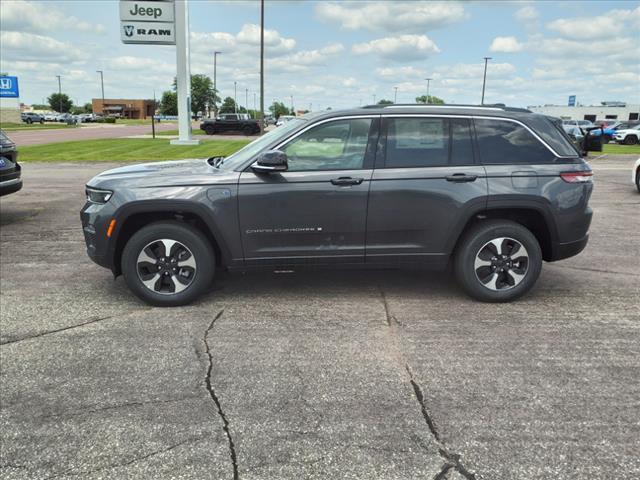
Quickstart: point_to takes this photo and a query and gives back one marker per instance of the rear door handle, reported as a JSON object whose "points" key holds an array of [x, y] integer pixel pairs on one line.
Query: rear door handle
{"points": [[347, 181], [461, 178]]}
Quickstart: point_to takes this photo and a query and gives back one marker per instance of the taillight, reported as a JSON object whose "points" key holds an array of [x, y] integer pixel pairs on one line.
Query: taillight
{"points": [[577, 177]]}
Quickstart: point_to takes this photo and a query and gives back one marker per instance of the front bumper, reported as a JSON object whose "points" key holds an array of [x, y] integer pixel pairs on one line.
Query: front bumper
{"points": [[95, 220], [10, 186]]}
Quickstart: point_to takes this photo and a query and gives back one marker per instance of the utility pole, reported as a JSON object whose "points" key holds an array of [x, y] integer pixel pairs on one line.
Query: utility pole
{"points": [[215, 88], [484, 80], [59, 94], [255, 109], [235, 96], [246, 99], [428, 84], [102, 86], [261, 66], [374, 98], [395, 95], [292, 110]]}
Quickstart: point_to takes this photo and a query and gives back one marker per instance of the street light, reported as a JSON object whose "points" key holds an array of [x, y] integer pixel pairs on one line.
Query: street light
{"points": [[374, 98], [292, 111], [261, 67], [215, 88], [59, 94], [246, 99], [428, 83], [395, 95], [102, 86], [235, 96], [484, 80]]}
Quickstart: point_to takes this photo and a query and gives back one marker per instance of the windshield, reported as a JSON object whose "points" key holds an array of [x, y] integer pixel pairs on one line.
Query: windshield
{"points": [[246, 153]]}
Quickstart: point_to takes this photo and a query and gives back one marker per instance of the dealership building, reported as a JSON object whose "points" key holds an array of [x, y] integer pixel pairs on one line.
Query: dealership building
{"points": [[123, 108], [605, 111]]}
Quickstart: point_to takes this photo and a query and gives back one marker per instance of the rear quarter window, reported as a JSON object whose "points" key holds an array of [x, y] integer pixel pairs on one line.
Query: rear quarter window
{"points": [[506, 142]]}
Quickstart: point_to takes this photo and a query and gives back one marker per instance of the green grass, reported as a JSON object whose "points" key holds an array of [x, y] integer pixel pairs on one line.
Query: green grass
{"points": [[125, 150], [16, 127], [615, 148], [195, 131]]}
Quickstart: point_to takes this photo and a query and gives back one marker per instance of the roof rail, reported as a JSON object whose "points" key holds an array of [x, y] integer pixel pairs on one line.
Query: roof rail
{"points": [[497, 106]]}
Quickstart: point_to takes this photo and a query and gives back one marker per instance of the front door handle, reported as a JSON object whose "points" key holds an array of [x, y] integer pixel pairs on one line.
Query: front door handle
{"points": [[347, 181], [461, 178]]}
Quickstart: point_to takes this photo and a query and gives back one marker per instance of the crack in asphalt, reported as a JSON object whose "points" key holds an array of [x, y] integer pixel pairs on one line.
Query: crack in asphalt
{"points": [[129, 462], [216, 400], [391, 319], [70, 327], [89, 410], [595, 270], [452, 459]]}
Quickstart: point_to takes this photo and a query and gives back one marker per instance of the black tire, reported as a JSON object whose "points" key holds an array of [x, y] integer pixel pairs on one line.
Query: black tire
{"points": [[630, 140], [247, 130], [196, 244], [41, 121], [210, 130], [29, 121], [638, 180], [476, 240]]}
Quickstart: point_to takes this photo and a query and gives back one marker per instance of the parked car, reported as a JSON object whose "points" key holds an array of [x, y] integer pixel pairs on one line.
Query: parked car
{"points": [[31, 117], [635, 174], [575, 134], [51, 117], [628, 136], [86, 117], [282, 119], [584, 124], [230, 122], [64, 117], [610, 131], [10, 170], [494, 191]]}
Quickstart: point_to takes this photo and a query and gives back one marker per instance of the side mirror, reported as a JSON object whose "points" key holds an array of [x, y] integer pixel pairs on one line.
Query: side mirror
{"points": [[271, 161], [592, 143]]}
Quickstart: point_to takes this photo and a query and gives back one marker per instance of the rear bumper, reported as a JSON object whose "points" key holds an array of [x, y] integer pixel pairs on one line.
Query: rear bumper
{"points": [[569, 249], [10, 186]]}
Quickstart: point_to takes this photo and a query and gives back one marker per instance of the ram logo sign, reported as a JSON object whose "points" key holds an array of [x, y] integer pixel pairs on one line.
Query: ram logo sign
{"points": [[162, 33]]}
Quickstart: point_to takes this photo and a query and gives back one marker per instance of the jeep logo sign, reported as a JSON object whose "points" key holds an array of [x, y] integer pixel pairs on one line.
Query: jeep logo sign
{"points": [[147, 22], [146, 11]]}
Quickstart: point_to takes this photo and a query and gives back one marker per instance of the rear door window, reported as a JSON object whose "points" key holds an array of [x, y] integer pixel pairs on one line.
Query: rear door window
{"points": [[505, 142], [417, 142]]}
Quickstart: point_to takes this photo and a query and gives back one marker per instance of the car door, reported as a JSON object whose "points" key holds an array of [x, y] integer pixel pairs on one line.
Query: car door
{"points": [[316, 210], [425, 183]]}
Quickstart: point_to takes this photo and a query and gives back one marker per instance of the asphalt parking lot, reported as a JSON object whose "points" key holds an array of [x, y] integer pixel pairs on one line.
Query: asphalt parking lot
{"points": [[346, 375]]}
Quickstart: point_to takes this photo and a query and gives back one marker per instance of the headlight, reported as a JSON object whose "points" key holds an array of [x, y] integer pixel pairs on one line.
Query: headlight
{"points": [[98, 196]]}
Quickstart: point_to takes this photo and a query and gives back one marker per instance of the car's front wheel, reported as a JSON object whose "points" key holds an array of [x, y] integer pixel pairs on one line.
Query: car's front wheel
{"points": [[210, 130], [168, 264], [630, 140], [498, 261]]}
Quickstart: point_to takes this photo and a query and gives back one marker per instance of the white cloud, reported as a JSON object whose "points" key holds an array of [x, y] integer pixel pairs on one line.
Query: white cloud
{"points": [[506, 45], [392, 73], [400, 48], [527, 13], [394, 17], [302, 60], [250, 35], [587, 28], [37, 17], [29, 47]]}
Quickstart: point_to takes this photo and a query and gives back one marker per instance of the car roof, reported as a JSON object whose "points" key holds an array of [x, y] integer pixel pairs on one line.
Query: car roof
{"points": [[467, 110]]}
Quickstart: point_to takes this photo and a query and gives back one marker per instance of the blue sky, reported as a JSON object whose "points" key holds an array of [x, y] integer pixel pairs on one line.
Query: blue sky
{"points": [[340, 54]]}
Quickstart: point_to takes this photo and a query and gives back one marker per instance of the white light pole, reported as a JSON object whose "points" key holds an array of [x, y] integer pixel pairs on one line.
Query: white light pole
{"points": [[235, 96], [395, 95], [215, 87], [184, 75], [428, 84], [484, 80]]}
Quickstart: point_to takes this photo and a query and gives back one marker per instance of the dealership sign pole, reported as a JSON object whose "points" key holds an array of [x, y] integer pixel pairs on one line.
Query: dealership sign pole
{"points": [[163, 22]]}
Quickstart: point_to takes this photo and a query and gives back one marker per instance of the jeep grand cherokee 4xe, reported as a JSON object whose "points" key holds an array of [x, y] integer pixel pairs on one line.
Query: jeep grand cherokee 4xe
{"points": [[493, 191]]}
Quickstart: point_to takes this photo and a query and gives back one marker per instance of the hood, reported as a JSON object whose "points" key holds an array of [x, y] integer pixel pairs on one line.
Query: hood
{"points": [[164, 174]]}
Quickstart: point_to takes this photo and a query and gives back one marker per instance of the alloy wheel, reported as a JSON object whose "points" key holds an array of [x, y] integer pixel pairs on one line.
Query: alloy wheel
{"points": [[501, 264], [166, 266]]}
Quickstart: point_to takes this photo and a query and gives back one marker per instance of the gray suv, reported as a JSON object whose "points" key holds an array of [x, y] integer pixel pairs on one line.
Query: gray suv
{"points": [[492, 191]]}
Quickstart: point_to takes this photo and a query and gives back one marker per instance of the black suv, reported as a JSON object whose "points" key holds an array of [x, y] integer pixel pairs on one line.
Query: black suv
{"points": [[10, 171], [230, 122], [491, 190]]}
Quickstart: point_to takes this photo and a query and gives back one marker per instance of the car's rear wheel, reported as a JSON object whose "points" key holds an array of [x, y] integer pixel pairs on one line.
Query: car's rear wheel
{"points": [[168, 264], [638, 180], [630, 140], [247, 130], [498, 261]]}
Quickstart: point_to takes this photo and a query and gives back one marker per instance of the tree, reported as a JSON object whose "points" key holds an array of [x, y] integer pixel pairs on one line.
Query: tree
{"points": [[228, 105], [278, 108], [86, 108], [385, 102], [169, 103], [40, 106], [202, 93], [60, 102], [431, 100]]}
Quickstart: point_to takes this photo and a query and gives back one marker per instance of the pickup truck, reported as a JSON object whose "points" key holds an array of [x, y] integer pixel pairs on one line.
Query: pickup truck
{"points": [[230, 122]]}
